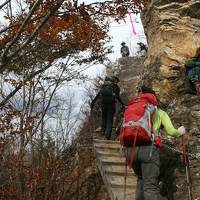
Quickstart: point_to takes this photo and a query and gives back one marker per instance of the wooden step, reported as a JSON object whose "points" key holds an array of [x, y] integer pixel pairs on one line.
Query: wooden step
{"points": [[107, 146], [108, 162], [130, 180], [118, 193], [120, 169], [112, 161], [108, 154], [116, 145], [118, 172], [105, 141], [115, 184]]}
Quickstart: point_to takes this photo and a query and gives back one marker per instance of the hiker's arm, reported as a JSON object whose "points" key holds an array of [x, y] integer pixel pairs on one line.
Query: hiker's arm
{"points": [[166, 122], [94, 100], [127, 49], [120, 100], [117, 95]]}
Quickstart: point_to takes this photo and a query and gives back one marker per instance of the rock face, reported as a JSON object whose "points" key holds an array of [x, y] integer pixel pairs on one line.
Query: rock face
{"points": [[173, 33], [129, 70]]}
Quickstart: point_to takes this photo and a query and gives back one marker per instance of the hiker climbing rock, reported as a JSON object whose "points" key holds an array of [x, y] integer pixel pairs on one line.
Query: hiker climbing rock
{"points": [[140, 135], [109, 94], [124, 50], [193, 74]]}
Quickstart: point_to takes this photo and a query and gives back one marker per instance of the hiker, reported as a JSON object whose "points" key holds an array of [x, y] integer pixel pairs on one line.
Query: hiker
{"points": [[142, 151], [193, 74], [142, 48], [109, 94], [124, 50]]}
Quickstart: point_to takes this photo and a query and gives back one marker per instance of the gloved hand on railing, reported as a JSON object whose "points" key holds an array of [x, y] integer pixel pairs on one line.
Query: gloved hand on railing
{"points": [[182, 130]]}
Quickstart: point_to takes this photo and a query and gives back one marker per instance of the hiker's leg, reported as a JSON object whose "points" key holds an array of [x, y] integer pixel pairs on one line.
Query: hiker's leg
{"points": [[139, 195], [150, 172], [104, 119], [109, 122]]}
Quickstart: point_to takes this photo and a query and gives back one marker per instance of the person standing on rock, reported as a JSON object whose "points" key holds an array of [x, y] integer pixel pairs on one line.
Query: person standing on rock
{"points": [[109, 94], [146, 162], [124, 50]]}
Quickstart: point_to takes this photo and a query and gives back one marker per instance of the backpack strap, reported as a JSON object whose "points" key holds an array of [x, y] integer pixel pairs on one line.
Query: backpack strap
{"points": [[133, 151]]}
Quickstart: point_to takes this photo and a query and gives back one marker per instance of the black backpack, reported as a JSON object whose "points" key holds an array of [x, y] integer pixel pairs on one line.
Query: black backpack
{"points": [[107, 93]]}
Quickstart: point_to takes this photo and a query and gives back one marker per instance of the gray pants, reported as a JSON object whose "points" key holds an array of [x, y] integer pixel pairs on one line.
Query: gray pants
{"points": [[147, 170]]}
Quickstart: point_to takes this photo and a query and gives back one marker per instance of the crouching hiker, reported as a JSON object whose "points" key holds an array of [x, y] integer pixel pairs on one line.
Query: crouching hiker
{"points": [[140, 135], [109, 94], [193, 74]]}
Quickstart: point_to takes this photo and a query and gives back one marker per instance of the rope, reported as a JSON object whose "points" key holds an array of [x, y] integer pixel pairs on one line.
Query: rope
{"points": [[194, 156]]}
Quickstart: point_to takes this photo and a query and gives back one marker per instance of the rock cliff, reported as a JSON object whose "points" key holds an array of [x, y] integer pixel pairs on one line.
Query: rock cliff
{"points": [[173, 34]]}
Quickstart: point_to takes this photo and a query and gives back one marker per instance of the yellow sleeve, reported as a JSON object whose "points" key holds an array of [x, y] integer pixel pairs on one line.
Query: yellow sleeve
{"points": [[166, 122]]}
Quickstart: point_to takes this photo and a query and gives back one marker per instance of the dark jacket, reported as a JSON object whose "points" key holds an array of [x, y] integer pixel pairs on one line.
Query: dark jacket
{"points": [[193, 70], [116, 90], [191, 64], [124, 51]]}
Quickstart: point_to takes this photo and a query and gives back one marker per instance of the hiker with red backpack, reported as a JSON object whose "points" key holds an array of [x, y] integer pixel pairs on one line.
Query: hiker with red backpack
{"points": [[109, 94], [140, 136]]}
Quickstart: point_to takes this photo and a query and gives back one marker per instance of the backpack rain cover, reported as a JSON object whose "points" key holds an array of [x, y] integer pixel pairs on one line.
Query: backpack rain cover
{"points": [[137, 125]]}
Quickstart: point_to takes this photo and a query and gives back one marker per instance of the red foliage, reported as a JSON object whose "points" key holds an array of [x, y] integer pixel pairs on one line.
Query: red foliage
{"points": [[59, 27]]}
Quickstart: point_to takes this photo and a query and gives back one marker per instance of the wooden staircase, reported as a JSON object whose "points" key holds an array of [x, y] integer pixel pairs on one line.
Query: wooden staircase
{"points": [[111, 164]]}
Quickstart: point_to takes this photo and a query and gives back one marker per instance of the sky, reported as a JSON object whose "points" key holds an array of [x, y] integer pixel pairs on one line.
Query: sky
{"points": [[120, 32], [123, 32]]}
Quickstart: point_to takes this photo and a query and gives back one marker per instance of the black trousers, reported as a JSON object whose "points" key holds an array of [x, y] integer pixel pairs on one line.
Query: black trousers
{"points": [[108, 111]]}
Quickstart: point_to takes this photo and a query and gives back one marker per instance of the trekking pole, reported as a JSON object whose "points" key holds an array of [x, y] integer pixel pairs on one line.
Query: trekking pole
{"points": [[187, 169]]}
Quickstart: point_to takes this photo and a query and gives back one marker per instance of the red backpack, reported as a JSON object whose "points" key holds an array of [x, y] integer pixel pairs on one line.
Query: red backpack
{"points": [[137, 125]]}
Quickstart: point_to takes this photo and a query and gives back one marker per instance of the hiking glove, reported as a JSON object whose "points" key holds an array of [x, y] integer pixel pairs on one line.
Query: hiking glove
{"points": [[158, 141], [182, 130]]}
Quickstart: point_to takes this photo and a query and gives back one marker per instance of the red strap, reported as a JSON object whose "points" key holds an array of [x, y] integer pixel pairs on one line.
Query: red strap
{"points": [[133, 150]]}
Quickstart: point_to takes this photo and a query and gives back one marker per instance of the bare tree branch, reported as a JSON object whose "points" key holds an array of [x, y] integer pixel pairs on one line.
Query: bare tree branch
{"points": [[21, 84], [21, 27], [47, 107], [6, 2]]}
